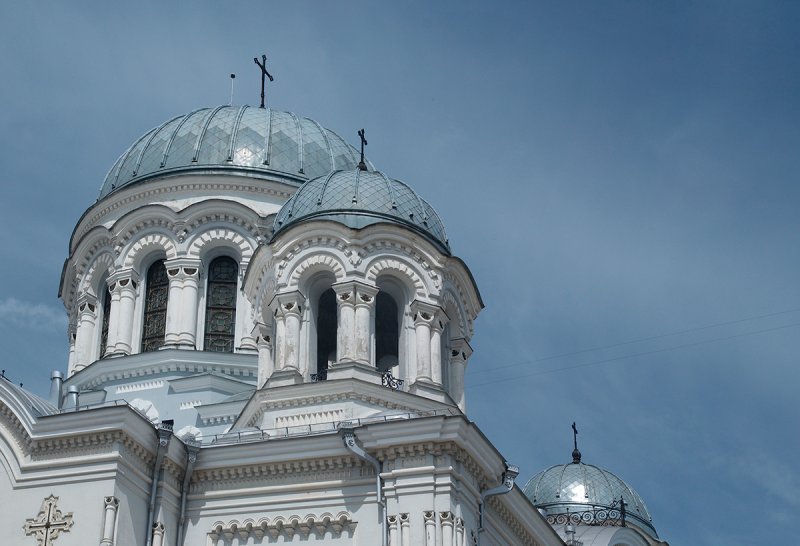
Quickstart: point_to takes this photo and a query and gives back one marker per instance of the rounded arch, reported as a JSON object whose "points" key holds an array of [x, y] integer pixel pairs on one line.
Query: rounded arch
{"points": [[101, 266], [145, 245], [455, 312], [398, 269], [308, 266], [212, 238]]}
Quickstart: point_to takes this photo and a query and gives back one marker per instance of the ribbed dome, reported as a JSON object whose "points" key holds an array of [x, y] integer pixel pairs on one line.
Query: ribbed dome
{"points": [[359, 198], [234, 139], [578, 487]]}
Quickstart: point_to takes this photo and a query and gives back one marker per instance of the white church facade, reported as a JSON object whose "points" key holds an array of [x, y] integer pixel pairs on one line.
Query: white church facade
{"points": [[268, 342]]}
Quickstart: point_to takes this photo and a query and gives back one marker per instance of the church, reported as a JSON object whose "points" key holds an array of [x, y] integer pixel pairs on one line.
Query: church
{"points": [[268, 343]]}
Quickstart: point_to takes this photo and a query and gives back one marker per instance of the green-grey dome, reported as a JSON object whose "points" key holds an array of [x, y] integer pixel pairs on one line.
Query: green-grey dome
{"points": [[583, 488], [358, 198], [231, 139]]}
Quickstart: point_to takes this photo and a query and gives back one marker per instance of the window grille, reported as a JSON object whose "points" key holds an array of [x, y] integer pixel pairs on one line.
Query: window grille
{"points": [[220, 325], [155, 307]]}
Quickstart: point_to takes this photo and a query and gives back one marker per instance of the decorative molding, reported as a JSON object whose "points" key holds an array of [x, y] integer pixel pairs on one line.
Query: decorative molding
{"points": [[141, 386], [392, 264], [269, 530], [302, 419], [283, 472], [152, 240], [220, 234], [316, 261]]}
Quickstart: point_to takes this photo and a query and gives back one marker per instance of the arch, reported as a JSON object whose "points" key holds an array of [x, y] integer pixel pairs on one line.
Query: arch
{"points": [[102, 263], [455, 311], [225, 237], [144, 245], [398, 269], [314, 263]]}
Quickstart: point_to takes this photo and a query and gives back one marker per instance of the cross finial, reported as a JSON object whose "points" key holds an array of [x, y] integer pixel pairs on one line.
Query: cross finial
{"points": [[361, 164], [263, 66], [576, 455]]}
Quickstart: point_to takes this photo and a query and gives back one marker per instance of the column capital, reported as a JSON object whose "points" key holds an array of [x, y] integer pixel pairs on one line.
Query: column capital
{"points": [[355, 292], [111, 502], [183, 268], [425, 312], [87, 304], [460, 350], [288, 303], [123, 279]]}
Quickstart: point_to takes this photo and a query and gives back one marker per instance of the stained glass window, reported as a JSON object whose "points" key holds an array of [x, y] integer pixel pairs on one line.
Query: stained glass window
{"points": [[104, 329], [155, 307], [221, 305]]}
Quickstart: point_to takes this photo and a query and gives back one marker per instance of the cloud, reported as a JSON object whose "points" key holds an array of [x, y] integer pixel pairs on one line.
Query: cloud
{"points": [[31, 315]]}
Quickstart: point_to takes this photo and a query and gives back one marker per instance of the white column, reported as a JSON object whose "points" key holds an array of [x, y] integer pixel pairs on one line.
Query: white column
{"points": [[158, 534], [190, 280], [405, 530], [84, 337], [459, 532], [126, 284], [290, 309], [424, 316], [430, 527], [109, 520], [71, 331], [113, 316], [345, 330], [393, 534], [245, 311], [459, 355], [447, 528], [266, 365], [364, 311], [439, 322], [174, 304]]}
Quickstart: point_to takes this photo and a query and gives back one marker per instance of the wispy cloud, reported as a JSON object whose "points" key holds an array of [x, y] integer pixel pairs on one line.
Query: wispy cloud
{"points": [[31, 315]]}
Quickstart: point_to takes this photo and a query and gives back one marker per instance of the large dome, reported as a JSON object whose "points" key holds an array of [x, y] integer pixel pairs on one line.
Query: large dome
{"points": [[583, 488], [234, 139], [358, 198]]}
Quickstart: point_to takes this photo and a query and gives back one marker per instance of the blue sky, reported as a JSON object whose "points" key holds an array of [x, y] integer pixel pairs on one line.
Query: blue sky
{"points": [[620, 176]]}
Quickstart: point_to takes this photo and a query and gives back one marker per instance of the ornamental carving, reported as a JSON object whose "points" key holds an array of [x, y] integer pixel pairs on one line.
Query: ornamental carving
{"points": [[50, 522]]}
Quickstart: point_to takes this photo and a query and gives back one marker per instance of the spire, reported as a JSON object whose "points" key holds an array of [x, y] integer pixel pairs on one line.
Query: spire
{"points": [[576, 455]]}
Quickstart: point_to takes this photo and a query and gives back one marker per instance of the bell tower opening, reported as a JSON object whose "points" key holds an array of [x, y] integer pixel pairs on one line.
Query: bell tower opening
{"points": [[326, 331], [387, 332]]}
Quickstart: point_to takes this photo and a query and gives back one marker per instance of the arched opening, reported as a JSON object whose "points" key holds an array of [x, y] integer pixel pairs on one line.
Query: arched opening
{"points": [[220, 324], [387, 332], [326, 332], [106, 306], [154, 323]]}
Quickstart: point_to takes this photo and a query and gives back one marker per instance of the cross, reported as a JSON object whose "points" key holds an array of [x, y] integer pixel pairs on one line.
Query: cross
{"points": [[49, 523], [361, 164], [574, 435], [263, 66]]}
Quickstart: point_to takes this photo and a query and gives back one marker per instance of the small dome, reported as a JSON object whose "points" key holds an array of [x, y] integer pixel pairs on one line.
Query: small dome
{"points": [[579, 487], [359, 198], [231, 139]]}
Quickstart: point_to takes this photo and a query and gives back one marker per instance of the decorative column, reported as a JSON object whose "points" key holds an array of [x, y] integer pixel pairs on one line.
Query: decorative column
{"points": [[71, 331], [266, 365], [405, 530], [289, 306], [190, 278], [364, 311], [447, 528], [84, 336], [158, 534], [109, 520], [459, 532], [436, 347], [393, 531], [429, 517], [174, 304], [460, 352], [249, 341], [113, 316], [345, 331], [126, 283], [424, 317]]}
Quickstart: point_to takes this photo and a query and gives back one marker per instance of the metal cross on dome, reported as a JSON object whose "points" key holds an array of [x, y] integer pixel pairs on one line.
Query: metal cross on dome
{"points": [[361, 135], [263, 66], [49, 523]]}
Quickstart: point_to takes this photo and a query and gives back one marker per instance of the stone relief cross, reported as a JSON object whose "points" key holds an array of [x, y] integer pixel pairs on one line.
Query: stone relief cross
{"points": [[49, 523]]}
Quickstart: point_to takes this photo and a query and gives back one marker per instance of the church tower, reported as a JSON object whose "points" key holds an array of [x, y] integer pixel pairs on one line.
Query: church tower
{"points": [[268, 339]]}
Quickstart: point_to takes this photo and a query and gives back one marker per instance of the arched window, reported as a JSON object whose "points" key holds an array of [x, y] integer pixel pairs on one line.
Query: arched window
{"points": [[326, 332], [104, 325], [155, 307], [221, 305], [387, 332]]}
